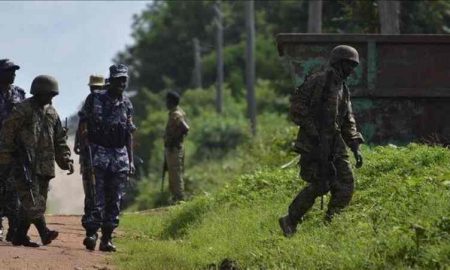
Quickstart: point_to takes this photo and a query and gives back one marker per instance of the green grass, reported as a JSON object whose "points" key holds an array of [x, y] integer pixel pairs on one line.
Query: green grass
{"points": [[399, 218]]}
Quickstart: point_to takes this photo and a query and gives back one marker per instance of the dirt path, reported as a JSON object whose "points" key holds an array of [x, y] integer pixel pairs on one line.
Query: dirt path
{"points": [[66, 252]]}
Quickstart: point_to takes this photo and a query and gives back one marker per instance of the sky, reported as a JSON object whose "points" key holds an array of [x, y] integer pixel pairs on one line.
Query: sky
{"points": [[69, 40]]}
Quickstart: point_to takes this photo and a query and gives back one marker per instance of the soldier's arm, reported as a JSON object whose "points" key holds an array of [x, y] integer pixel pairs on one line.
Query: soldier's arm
{"points": [[62, 150], [131, 129], [10, 129], [300, 109], [83, 115], [348, 130]]}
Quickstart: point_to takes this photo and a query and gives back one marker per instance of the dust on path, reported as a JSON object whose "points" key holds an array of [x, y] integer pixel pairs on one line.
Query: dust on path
{"points": [[66, 252]]}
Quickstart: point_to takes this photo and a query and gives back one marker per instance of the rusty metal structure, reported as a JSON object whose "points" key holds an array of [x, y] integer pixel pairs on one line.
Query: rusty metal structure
{"points": [[401, 89]]}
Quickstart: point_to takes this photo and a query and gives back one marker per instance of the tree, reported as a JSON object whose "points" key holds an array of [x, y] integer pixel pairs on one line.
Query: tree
{"points": [[315, 16], [389, 12]]}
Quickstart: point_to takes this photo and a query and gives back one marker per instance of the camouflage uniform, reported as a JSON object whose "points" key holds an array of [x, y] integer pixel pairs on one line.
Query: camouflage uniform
{"points": [[109, 124], [39, 131], [9, 199], [321, 107], [174, 152]]}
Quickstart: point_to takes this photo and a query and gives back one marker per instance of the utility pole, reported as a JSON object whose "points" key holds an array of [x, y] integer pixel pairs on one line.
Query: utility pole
{"points": [[389, 16], [197, 64], [315, 16], [250, 62], [219, 54]]}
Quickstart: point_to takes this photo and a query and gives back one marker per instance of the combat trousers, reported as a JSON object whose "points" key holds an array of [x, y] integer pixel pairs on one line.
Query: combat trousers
{"points": [[39, 188], [341, 190], [9, 201], [175, 164], [103, 212]]}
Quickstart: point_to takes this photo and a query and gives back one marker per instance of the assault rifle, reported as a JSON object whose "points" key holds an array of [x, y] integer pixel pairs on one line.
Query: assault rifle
{"points": [[90, 172], [327, 170], [28, 173], [164, 169]]}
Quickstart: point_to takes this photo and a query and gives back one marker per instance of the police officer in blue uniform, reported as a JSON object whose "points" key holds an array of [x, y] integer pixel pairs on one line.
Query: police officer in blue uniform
{"points": [[106, 128], [10, 95]]}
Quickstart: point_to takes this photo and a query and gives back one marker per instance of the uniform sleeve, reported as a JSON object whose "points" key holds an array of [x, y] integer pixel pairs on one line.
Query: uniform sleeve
{"points": [[87, 108], [348, 130], [130, 113], [11, 126], [300, 109], [62, 150]]}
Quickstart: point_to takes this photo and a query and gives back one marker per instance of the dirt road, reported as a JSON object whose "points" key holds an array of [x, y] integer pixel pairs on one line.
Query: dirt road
{"points": [[66, 252]]}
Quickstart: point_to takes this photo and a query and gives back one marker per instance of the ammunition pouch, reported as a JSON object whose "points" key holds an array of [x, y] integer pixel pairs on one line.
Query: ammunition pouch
{"points": [[109, 136]]}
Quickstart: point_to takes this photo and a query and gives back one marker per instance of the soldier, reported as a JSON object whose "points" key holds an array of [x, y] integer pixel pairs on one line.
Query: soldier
{"points": [[96, 83], [321, 107], [106, 129], [34, 135], [10, 95], [176, 129]]}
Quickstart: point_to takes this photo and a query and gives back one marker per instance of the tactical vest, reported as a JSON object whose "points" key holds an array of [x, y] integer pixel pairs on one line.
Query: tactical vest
{"points": [[108, 123]]}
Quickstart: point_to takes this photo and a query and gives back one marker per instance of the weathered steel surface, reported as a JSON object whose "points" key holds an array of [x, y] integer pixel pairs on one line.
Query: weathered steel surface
{"points": [[401, 89]]}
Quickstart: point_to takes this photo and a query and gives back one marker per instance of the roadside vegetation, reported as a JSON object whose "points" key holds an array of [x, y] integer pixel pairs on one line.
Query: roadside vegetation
{"points": [[399, 217]]}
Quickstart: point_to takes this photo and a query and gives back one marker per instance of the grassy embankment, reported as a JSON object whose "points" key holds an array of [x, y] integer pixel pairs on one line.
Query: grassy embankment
{"points": [[399, 217]]}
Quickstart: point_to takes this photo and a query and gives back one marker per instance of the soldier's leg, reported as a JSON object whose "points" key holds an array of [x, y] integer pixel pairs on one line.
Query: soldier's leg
{"points": [[342, 189], [31, 208], [12, 212], [175, 159], [47, 235], [114, 190], [94, 209], [305, 198]]}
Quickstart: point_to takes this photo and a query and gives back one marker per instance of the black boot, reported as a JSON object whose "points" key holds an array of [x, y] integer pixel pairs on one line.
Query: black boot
{"points": [[12, 222], [47, 235], [90, 241], [288, 227], [20, 237], [105, 242]]}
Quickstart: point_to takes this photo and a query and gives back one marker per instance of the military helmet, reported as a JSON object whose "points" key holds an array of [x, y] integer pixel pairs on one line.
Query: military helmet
{"points": [[344, 52], [43, 84]]}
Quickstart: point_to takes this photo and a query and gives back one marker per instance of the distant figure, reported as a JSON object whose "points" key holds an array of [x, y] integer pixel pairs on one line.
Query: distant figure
{"points": [[34, 134], [321, 107], [96, 83], [176, 129], [106, 128], [10, 96]]}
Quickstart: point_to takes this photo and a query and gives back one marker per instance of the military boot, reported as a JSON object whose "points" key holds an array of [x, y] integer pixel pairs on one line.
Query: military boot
{"points": [[47, 235], [20, 237], [11, 229], [288, 227], [90, 241], [105, 242]]}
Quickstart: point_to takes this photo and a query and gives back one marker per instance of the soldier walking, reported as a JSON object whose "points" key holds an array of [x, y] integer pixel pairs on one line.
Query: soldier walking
{"points": [[10, 95], [176, 129], [34, 135], [321, 107], [106, 129]]}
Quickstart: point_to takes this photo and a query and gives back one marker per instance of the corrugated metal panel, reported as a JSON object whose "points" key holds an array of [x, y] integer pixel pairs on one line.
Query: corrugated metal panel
{"points": [[401, 89]]}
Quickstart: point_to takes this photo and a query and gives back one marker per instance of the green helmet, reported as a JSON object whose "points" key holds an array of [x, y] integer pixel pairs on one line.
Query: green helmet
{"points": [[44, 84], [344, 52]]}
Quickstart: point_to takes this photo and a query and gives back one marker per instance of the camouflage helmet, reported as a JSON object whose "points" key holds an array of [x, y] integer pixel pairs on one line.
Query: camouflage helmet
{"points": [[44, 84], [344, 52]]}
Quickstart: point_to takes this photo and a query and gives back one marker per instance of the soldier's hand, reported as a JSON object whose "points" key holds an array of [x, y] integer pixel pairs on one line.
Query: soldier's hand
{"points": [[70, 167], [358, 158], [77, 149], [354, 146], [132, 169]]}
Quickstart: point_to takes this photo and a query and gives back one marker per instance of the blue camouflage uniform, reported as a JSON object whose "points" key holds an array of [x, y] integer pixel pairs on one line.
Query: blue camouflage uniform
{"points": [[109, 125], [9, 199]]}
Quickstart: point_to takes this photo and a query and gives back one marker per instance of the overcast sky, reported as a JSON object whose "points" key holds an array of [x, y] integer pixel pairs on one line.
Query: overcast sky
{"points": [[68, 40]]}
